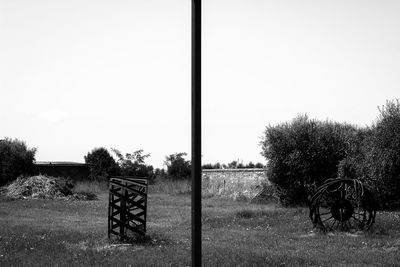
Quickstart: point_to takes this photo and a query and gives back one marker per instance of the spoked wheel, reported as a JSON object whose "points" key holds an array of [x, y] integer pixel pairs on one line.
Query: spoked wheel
{"points": [[342, 204]]}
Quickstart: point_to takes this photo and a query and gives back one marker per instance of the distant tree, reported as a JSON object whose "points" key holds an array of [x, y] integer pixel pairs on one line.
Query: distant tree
{"points": [[259, 165], [177, 166], [133, 164], [241, 166], [15, 159], [233, 165], [208, 166], [217, 166], [212, 166], [101, 164]]}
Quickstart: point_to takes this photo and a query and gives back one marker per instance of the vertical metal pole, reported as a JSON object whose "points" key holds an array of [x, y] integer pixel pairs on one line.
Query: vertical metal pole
{"points": [[196, 132], [109, 211], [145, 205], [123, 212]]}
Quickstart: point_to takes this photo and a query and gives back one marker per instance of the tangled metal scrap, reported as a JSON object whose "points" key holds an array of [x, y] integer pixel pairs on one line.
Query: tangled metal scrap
{"points": [[342, 204]]}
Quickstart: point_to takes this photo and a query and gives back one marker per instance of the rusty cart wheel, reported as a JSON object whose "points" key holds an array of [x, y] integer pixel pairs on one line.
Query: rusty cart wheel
{"points": [[342, 204]]}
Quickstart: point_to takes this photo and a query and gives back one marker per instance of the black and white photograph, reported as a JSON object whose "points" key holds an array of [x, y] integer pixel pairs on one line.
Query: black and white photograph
{"points": [[200, 133]]}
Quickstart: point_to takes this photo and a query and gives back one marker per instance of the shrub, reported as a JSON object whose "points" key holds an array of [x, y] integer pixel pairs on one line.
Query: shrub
{"points": [[15, 160], [259, 165], [102, 164], [210, 166], [134, 164], [302, 154], [384, 157], [177, 166], [375, 159]]}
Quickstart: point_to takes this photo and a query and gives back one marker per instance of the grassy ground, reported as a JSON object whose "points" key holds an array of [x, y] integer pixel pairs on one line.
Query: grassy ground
{"points": [[73, 233]]}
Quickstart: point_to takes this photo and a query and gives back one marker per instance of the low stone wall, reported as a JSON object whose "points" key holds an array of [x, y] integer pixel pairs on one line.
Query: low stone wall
{"points": [[233, 183]]}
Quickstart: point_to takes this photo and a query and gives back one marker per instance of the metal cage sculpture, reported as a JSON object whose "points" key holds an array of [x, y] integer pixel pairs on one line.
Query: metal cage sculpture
{"points": [[127, 208], [342, 204]]}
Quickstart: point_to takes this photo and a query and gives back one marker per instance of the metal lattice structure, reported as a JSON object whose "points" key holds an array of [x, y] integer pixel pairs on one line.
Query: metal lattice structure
{"points": [[127, 208], [342, 204]]}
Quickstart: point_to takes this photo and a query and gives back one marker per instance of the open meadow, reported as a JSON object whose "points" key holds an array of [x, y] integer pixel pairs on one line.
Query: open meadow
{"points": [[38, 232]]}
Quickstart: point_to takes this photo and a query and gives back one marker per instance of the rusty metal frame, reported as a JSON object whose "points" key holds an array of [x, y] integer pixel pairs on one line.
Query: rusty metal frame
{"points": [[127, 207], [342, 204]]}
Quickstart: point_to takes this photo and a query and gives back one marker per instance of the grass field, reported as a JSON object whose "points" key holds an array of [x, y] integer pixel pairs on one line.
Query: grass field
{"points": [[74, 233]]}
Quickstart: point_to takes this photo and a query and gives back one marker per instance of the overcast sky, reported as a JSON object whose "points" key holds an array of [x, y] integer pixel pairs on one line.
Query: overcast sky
{"points": [[75, 75]]}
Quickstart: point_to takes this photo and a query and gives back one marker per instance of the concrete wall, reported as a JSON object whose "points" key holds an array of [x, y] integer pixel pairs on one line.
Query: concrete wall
{"points": [[233, 183]]}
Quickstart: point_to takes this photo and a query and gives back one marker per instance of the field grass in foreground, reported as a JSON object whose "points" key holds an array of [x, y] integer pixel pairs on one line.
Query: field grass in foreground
{"points": [[73, 233]]}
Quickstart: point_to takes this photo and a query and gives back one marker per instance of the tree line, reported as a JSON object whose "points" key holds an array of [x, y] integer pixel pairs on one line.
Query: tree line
{"points": [[300, 155], [233, 165], [17, 159]]}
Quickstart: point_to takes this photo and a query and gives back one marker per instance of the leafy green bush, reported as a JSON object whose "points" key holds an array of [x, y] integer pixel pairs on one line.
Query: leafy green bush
{"points": [[102, 164], [177, 166], [384, 157], [375, 159], [134, 164], [302, 154], [15, 159]]}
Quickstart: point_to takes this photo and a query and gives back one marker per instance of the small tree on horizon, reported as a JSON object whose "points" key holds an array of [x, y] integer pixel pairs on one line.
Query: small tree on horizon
{"points": [[177, 166], [133, 164], [101, 164]]}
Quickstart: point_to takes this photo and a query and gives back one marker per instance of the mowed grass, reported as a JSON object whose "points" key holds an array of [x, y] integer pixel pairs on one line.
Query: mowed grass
{"points": [[74, 233]]}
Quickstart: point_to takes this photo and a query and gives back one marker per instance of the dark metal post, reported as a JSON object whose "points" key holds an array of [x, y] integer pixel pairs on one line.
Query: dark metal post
{"points": [[196, 132]]}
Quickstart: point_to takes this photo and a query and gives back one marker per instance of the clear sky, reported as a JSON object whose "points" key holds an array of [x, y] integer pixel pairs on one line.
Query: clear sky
{"points": [[80, 74]]}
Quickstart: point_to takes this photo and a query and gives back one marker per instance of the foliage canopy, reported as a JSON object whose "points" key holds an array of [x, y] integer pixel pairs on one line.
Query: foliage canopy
{"points": [[177, 166], [133, 164], [102, 164], [15, 159], [302, 154]]}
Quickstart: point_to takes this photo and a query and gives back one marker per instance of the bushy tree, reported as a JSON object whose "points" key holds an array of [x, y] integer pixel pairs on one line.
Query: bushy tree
{"points": [[133, 164], [385, 153], [15, 159], [208, 166], [302, 154], [259, 165], [102, 164], [375, 159], [233, 164], [250, 165], [177, 166]]}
